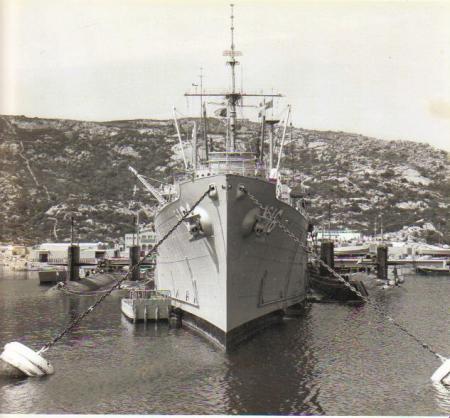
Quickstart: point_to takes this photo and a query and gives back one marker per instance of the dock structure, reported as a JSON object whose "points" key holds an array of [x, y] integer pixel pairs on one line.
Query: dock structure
{"points": [[354, 264], [134, 260], [382, 262], [144, 305], [73, 262], [56, 254], [327, 256]]}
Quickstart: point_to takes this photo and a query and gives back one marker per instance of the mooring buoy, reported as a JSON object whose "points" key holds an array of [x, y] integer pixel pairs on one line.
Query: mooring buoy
{"points": [[442, 374], [17, 357], [22, 358]]}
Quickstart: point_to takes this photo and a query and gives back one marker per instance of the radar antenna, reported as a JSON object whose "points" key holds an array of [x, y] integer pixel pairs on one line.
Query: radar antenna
{"points": [[233, 97]]}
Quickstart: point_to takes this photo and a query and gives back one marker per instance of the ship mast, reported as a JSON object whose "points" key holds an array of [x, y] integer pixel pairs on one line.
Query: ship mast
{"points": [[233, 97]]}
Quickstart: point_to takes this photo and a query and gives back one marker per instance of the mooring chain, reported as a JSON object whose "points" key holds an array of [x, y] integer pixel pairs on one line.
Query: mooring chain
{"points": [[79, 318], [333, 272]]}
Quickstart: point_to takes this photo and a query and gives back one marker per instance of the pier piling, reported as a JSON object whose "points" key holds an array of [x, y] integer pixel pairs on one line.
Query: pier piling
{"points": [[73, 262], [382, 262], [327, 256], [134, 260]]}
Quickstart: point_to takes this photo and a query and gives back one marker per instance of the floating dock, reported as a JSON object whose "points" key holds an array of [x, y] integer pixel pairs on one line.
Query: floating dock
{"points": [[143, 305], [437, 271]]}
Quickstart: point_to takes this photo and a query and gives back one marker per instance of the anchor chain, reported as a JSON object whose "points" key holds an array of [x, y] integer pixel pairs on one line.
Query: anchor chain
{"points": [[341, 279], [79, 318]]}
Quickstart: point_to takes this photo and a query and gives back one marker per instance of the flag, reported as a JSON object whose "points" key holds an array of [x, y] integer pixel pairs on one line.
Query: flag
{"points": [[221, 113], [263, 106]]}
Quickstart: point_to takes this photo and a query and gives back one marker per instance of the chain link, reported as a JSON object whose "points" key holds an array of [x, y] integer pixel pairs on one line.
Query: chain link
{"points": [[79, 318], [341, 279]]}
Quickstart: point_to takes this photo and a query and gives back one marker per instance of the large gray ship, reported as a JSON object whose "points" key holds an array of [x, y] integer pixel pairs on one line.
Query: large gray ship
{"points": [[229, 268]]}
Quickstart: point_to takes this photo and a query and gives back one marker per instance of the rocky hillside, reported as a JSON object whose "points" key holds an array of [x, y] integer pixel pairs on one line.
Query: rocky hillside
{"points": [[361, 182], [53, 169]]}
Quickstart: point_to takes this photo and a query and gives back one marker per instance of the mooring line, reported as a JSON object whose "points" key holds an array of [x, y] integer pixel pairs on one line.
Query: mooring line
{"points": [[345, 282], [79, 318]]}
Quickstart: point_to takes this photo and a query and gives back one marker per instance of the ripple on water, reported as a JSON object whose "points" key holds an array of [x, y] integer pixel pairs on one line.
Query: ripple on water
{"points": [[333, 360]]}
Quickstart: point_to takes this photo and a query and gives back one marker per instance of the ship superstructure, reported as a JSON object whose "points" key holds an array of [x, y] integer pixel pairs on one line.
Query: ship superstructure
{"points": [[230, 269]]}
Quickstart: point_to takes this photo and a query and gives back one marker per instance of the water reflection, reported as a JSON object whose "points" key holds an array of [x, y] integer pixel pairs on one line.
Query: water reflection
{"points": [[333, 360], [149, 329], [19, 395], [442, 395], [269, 375]]}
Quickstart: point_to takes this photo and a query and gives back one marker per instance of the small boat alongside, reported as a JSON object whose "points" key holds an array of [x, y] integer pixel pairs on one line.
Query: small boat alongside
{"points": [[335, 289], [144, 304]]}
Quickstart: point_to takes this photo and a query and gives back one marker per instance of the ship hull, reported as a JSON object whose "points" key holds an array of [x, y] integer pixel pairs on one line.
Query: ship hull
{"points": [[241, 272]]}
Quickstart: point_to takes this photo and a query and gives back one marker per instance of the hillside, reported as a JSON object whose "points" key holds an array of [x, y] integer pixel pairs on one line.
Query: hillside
{"points": [[51, 169], [357, 179]]}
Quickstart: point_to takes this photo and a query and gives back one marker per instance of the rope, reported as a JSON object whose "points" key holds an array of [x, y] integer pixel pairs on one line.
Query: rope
{"points": [[79, 318], [333, 272]]}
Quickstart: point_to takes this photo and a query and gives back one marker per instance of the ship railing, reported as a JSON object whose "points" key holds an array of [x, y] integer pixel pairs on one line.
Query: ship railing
{"points": [[232, 162]]}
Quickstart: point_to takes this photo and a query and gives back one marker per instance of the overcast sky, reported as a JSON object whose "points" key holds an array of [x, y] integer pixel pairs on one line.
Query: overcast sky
{"points": [[377, 68]]}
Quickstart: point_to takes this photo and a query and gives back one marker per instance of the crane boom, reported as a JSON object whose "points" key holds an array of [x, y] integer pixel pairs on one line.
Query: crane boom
{"points": [[280, 152], [149, 187], [179, 138]]}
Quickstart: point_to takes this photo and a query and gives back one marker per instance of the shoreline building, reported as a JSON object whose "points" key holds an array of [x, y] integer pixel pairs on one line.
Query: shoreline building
{"points": [[56, 253], [145, 238], [339, 235]]}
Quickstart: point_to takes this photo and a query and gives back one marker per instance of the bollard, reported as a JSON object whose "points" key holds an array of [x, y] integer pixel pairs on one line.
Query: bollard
{"points": [[134, 259], [327, 256], [382, 262], [73, 262]]}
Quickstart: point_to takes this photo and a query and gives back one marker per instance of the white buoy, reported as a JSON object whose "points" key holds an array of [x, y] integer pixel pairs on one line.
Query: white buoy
{"points": [[26, 360], [442, 374]]}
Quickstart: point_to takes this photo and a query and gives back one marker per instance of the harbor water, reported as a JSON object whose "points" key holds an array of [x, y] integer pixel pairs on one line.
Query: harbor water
{"points": [[334, 359]]}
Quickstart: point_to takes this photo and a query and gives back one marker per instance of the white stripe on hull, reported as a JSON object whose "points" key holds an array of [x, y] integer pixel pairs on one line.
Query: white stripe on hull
{"points": [[232, 276]]}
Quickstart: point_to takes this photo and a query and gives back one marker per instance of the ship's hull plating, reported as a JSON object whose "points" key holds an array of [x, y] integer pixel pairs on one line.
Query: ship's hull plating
{"points": [[231, 280]]}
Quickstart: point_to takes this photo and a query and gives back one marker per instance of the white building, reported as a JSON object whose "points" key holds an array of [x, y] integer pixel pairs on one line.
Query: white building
{"points": [[339, 235], [56, 253], [146, 238]]}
